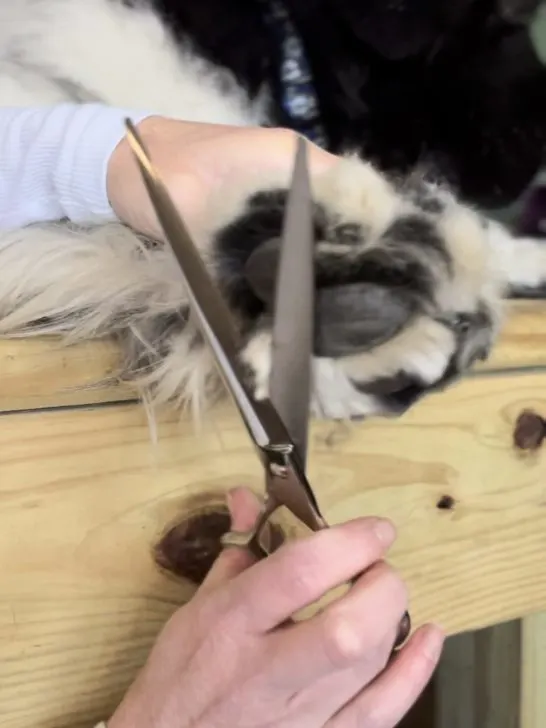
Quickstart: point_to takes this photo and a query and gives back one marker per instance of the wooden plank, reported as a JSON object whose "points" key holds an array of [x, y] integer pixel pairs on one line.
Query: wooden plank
{"points": [[85, 495], [522, 342], [39, 373], [478, 680], [533, 665]]}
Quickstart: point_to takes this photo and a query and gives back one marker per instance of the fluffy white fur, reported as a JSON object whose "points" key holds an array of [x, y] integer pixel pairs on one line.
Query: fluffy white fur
{"points": [[105, 280]]}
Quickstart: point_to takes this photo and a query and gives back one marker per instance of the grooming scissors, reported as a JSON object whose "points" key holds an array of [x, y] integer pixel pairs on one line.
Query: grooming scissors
{"points": [[278, 425]]}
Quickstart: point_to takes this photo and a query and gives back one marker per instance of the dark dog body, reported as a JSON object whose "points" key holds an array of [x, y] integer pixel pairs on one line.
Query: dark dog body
{"points": [[455, 84]]}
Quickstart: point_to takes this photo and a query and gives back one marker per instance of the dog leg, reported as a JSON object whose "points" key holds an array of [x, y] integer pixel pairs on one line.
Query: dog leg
{"points": [[523, 262]]}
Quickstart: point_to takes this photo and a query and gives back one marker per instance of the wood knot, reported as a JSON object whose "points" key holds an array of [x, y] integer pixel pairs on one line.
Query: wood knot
{"points": [[190, 548], [529, 431], [446, 503]]}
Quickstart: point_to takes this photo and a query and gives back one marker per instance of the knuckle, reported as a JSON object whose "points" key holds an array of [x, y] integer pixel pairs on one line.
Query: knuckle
{"points": [[362, 540], [302, 581], [392, 585], [342, 643], [233, 620], [213, 609], [304, 566], [226, 606]]}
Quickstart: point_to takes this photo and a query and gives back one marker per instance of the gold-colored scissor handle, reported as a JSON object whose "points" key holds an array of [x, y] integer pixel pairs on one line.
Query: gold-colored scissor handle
{"points": [[262, 539]]}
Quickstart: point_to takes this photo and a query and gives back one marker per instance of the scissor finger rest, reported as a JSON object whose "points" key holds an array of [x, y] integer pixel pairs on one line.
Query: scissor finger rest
{"points": [[261, 540]]}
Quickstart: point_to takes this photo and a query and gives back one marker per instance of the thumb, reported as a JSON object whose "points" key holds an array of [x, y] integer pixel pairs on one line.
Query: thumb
{"points": [[244, 508]]}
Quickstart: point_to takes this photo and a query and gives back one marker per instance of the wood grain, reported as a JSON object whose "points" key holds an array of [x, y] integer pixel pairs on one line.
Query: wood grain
{"points": [[85, 494], [533, 672], [522, 343], [41, 373]]}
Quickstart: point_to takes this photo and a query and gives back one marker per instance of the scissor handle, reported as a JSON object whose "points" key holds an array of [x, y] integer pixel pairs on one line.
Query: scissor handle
{"points": [[251, 539]]}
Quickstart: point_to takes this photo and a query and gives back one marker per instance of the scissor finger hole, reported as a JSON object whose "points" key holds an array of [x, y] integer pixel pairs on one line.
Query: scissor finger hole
{"points": [[281, 527]]}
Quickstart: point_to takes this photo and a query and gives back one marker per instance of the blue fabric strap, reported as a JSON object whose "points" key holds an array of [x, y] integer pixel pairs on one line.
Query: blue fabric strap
{"points": [[299, 98]]}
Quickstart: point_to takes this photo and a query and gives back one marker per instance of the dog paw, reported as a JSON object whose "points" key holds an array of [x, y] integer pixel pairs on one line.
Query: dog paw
{"points": [[408, 287]]}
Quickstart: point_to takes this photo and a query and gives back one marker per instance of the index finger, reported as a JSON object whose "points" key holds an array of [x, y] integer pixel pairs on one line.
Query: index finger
{"points": [[301, 572]]}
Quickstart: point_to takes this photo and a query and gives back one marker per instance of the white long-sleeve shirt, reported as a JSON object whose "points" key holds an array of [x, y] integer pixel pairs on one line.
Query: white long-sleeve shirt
{"points": [[53, 162]]}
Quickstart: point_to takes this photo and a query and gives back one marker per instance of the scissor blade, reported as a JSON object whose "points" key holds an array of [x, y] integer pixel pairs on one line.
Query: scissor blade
{"points": [[207, 304], [294, 311], [266, 428]]}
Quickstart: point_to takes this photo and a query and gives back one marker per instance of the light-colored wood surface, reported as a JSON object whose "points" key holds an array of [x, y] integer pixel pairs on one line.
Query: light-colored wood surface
{"points": [[39, 373], [84, 495], [533, 672], [42, 373], [522, 342]]}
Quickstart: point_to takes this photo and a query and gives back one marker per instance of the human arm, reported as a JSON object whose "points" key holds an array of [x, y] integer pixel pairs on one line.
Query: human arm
{"points": [[72, 161], [54, 161]]}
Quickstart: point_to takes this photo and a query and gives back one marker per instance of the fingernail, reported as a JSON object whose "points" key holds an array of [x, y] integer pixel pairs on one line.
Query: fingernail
{"points": [[385, 531], [434, 642]]}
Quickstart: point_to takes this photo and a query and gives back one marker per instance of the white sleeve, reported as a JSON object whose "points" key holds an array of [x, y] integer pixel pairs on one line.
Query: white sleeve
{"points": [[53, 162]]}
